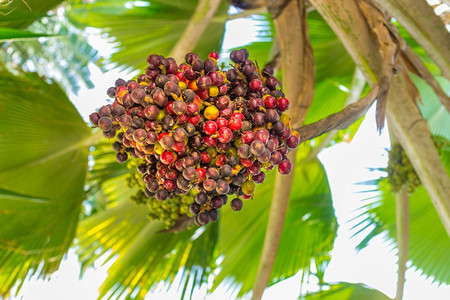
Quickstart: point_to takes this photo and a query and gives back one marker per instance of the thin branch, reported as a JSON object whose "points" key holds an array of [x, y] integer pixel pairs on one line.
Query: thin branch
{"points": [[402, 224], [297, 59], [198, 23], [340, 120]]}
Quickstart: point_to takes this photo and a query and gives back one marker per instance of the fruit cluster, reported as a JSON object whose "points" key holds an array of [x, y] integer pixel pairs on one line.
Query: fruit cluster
{"points": [[168, 211], [400, 169], [196, 126]]}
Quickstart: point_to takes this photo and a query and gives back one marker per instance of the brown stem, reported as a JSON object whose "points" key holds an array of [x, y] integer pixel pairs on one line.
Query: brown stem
{"points": [[199, 21], [402, 223], [403, 115], [424, 26]]}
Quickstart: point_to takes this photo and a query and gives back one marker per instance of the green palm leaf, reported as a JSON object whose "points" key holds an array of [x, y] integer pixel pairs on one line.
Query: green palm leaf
{"points": [[347, 291], [65, 57], [20, 14], [429, 244], [309, 230], [43, 164], [10, 34], [139, 31]]}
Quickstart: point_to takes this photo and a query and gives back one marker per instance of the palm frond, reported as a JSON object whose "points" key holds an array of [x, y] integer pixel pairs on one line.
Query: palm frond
{"points": [[43, 164]]}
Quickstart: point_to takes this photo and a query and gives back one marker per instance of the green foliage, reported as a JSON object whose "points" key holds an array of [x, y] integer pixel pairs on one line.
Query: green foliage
{"points": [[42, 173], [65, 56], [10, 34], [138, 31], [429, 243], [309, 231], [347, 291], [21, 13]]}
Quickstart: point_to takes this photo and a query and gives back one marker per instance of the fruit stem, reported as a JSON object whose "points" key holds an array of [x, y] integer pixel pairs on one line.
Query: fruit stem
{"points": [[198, 23]]}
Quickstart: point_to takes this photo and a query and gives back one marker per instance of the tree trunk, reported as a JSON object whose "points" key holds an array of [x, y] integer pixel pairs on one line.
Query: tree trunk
{"points": [[404, 118]]}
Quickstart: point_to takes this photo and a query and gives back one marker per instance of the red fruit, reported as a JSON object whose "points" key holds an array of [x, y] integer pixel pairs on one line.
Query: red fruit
{"points": [[255, 85], [254, 169], [210, 127], [216, 78], [169, 108], [262, 135], [292, 142], [246, 197], [223, 89], [195, 120], [259, 178], [221, 122], [167, 157], [248, 137], [285, 167], [182, 119], [220, 160], [121, 90], [201, 172], [178, 146], [180, 76], [172, 174], [235, 123], [226, 113], [204, 94], [282, 104], [214, 55], [204, 82], [238, 115], [206, 158], [192, 109], [132, 85], [222, 102], [270, 102], [209, 141], [169, 185], [225, 135], [247, 162], [285, 134]]}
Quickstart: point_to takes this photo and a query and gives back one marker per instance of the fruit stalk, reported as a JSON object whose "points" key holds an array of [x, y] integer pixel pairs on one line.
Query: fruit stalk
{"points": [[199, 21]]}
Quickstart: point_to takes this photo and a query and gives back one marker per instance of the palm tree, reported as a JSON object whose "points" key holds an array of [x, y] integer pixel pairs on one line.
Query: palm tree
{"points": [[398, 47]]}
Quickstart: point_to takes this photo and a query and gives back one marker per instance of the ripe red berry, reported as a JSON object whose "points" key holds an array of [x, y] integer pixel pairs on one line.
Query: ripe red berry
{"points": [[225, 135], [248, 137], [285, 167], [246, 162], [214, 55], [220, 160], [209, 141], [195, 120], [292, 142], [167, 157], [221, 122], [210, 127], [282, 104], [205, 157], [255, 85], [235, 123], [238, 115], [201, 173]]}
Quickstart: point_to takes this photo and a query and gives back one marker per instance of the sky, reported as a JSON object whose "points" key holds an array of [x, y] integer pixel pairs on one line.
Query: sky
{"points": [[346, 164]]}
